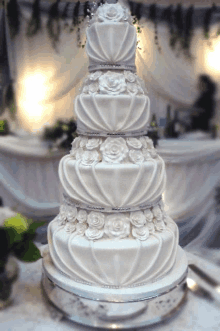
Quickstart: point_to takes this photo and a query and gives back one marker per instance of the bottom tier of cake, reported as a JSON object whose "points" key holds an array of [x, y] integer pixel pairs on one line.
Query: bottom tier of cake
{"points": [[116, 308], [113, 263]]}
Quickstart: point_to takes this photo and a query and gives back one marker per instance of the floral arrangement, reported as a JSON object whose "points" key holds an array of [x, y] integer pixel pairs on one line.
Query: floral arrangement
{"points": [[96, 225], [89, 151], [61, 134], [4, 128], [16, 237]]}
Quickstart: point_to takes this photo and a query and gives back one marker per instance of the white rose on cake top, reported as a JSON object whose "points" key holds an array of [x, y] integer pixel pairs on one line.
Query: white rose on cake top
{"points": [[113, 13]]}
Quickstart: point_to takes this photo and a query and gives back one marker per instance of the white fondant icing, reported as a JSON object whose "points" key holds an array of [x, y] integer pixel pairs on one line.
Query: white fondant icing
{"points": [[124, 262], [104, 47], [121, 113], [113, 185]]}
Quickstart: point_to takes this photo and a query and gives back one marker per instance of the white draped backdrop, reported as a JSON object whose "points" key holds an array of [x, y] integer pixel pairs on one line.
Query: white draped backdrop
{"points": [[56, 77], [46, 83]]}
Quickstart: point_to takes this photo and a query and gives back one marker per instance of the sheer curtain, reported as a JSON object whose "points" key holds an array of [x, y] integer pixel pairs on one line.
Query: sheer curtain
{"points": [[56, 76], [172, 78], [45, 80]]}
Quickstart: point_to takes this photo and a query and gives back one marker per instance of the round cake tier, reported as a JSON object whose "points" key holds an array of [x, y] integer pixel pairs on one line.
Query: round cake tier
{"points": [[111, 185], [116, 263], [112, 114], [111, 43]]}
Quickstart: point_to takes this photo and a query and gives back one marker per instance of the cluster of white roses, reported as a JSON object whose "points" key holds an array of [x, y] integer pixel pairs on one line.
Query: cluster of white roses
{"points": [[113, 83], [74, 220], [113, 13], [112, 150], [94, 225]]}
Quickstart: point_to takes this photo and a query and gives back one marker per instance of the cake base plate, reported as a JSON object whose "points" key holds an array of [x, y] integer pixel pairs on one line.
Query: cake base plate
{"points": [[113, 313]]}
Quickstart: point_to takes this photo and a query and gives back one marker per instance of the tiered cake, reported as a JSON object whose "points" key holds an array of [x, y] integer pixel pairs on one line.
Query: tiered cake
{"points": [[112, 231]]}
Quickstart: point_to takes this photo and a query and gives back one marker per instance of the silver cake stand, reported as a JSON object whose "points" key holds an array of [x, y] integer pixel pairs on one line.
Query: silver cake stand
{"points": [[112, 308]]}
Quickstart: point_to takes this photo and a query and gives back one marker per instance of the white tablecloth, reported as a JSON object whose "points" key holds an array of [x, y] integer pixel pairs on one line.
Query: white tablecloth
{"points": [[193, 173], [30, 313], [29, 176]]}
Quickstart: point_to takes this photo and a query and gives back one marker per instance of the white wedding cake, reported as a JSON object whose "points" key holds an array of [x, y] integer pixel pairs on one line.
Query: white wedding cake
{"points": [[112, 230]]}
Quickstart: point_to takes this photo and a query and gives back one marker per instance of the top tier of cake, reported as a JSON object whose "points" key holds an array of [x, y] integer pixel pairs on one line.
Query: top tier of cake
{"points": [[111, 39]]}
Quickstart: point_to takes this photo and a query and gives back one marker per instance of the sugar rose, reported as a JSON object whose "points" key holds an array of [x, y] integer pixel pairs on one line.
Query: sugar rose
{"points": [[136, 156], [111, 12], [137, 218], [94, 234], [114, 150], [93, 88], [82, 216], [70, 227], [141, 233], [159, 225], [112, 83], [148, 215], [134, 143], [129, 76], [96, 220], [157, 213], [89, 157], [81, 228], [132, 88], [71, 214], [117, 226], [95, 75], [93, 143]]}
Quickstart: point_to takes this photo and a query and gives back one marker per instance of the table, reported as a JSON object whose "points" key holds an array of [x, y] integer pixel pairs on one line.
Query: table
{"points": [[29, 179], [193, 174], [29, 311]]}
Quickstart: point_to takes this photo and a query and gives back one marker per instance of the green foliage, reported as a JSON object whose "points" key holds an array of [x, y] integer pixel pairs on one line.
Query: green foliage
{"points": [[61, 134], [17, 222], [4, 128], [34, 25], [26, 251], [16, 237]]}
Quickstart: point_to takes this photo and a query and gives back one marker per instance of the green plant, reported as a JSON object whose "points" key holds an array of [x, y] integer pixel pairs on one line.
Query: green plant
{"points": [[207, 20], [4, 128], [16, 238], [34, 25], [61, 134]]}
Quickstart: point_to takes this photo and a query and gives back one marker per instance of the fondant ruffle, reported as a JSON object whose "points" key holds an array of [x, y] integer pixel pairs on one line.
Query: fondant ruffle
{"points": [[104, 113], [103, 47], [113, 185], [117, 263]]}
